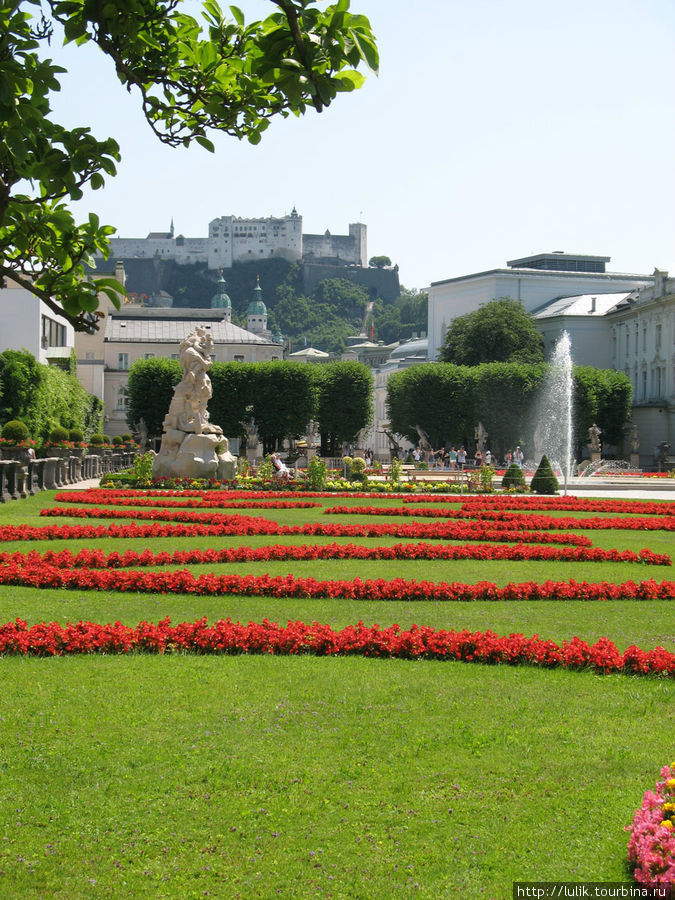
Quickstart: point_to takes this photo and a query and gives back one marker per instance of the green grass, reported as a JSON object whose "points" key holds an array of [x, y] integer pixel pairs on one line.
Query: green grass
{"points": [[243, 776]]}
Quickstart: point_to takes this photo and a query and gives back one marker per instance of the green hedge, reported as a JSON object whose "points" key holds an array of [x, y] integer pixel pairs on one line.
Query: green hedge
{"points": [[44, 397]]}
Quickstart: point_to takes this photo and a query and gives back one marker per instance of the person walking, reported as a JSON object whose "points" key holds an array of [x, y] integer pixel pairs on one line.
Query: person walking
{"points": [[461, 458], [518, 457]]}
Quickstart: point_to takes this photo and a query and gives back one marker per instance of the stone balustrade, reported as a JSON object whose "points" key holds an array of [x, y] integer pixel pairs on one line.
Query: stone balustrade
{"points": [[23, 479]]}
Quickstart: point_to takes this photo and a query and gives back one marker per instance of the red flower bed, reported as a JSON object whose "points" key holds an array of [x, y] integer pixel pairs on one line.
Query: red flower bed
{"points": [[522, 519], [190, 503], [184, 582], [249, 525], [651, 848], [560, 504], [225, 636], [97, 559], [262, 526]]}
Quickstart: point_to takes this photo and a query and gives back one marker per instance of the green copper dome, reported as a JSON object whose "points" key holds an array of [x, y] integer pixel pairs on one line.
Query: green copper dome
{"points": [[256, 307], [220, 300]]}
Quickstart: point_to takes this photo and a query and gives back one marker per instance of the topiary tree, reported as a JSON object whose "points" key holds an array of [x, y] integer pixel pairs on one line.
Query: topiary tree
{"points": [[58, 435], [117, 440], [513, 478], [75, 435], [96, 440], [14, 430], [544, 480]]}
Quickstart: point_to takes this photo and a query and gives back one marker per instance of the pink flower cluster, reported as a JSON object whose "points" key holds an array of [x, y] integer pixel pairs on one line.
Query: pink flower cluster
{"points": [[651, 848], [225, 636]]}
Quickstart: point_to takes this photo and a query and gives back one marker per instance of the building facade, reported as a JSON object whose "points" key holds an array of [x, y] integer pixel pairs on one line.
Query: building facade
{"points": [[233, 239], [641, 342], [566, 275], [26, 323]]}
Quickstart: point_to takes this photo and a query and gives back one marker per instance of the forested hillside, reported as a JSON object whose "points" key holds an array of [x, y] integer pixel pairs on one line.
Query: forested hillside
{"points": [[323, 317]]}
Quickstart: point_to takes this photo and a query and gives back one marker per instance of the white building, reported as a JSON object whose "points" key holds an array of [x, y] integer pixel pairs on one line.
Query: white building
{"points": [[233, 239], [641, 342], [27, 323], [534, 280]]}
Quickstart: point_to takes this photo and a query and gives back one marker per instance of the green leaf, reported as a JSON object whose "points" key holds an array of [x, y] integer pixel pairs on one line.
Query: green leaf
{"points": [[238, 15], [205, 142]]}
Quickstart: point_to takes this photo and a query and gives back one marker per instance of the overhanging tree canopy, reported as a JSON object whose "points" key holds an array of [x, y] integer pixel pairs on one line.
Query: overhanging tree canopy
{"points": [[191, 76]]}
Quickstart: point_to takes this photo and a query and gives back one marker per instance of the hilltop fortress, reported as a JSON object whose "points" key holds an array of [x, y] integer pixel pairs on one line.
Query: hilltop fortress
{"points": [[232, 240]]}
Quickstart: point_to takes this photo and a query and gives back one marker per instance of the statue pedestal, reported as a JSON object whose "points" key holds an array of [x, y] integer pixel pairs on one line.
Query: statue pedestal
{"points": [[635, 460], [596, 456]]}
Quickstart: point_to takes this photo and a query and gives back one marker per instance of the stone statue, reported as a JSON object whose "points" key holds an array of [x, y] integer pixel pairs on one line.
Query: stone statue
{"points": [[634, 439], [594, 444], [312, 433], [191, 446], [394, 446], [424, 442], [142, 432], [480, 436]]}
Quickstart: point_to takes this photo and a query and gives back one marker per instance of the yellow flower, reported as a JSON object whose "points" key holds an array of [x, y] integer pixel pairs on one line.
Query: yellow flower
{"points": [[667, 824], [669, 807], [670, 784]]}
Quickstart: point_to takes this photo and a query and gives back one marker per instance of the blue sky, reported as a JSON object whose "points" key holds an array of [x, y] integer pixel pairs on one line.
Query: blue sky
{"points": [[493, 130]]}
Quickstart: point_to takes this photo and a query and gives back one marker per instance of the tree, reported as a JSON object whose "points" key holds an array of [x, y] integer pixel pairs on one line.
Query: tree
{"points": [[233, 389], [229, 77], [283, 399], [150, 387], [345, 403], [500, 331], [379, 262]]}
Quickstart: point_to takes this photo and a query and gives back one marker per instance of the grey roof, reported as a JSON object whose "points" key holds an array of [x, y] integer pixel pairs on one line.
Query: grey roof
{"points": [[559, 254], [414, 347], [581, 305], [161, 330], [608, 277]]}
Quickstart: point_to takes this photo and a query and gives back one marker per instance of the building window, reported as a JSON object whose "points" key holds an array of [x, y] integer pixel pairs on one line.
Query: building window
{"points": [[644, 339], [53, 333], [148, 356], [643, 392], [659, 332], [123, 361], [122, 400], [238, 358]]}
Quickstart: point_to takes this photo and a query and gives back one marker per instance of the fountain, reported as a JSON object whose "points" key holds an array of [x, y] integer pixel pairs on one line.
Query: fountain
{"points": [[553, 432]]}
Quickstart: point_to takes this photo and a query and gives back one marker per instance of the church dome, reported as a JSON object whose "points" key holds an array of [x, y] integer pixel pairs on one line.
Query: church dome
{"points": [[256, 307], [220, 299]]}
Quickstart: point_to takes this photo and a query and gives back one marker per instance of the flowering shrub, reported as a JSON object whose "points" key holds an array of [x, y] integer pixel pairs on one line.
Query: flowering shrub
{"points": [[225, 636], [651, 849], [8, 443]]}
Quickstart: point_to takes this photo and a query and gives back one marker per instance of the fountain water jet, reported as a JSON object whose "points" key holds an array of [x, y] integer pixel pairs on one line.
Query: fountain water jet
{"points": [[553, 432]]}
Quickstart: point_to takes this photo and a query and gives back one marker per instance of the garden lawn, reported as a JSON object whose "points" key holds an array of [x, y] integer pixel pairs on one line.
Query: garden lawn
{"points": [[184, 776]]}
